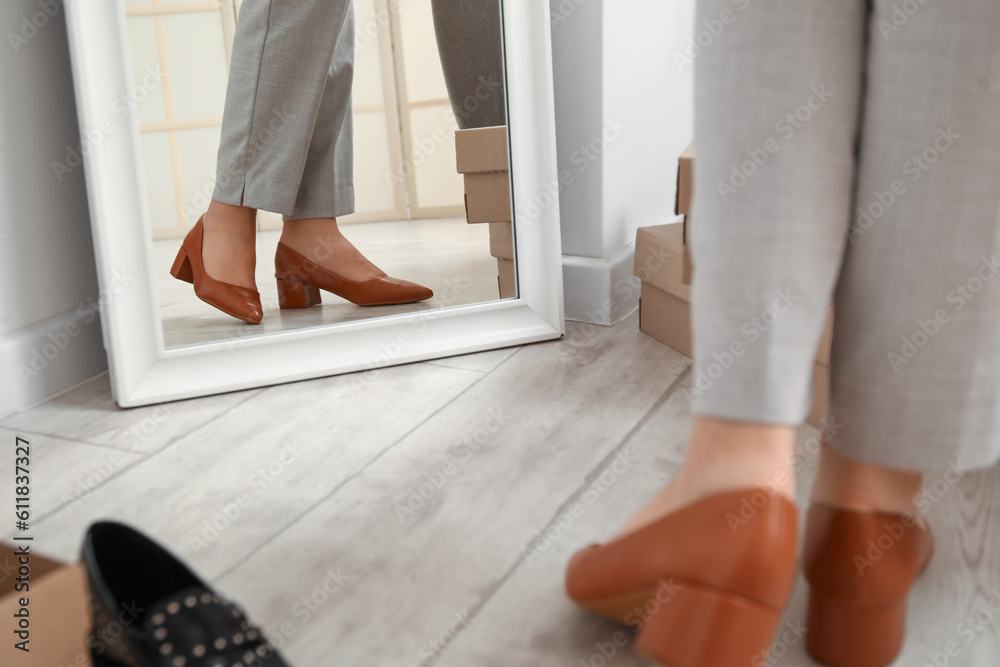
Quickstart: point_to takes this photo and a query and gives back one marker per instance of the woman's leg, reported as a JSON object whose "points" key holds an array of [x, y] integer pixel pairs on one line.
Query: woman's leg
{"points": [[776, 121], [469, 41], [278, 86], [326, 190], [915, 373]]}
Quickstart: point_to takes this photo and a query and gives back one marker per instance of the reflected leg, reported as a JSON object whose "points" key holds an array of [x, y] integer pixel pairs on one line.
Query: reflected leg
{"points": [[469, 41]]}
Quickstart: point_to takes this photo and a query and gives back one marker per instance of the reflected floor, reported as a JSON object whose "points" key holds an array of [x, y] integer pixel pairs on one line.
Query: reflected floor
{"points": [[448, 255]]}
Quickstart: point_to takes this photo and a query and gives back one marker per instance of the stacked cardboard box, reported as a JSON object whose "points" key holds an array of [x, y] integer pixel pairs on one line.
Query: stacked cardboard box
{"points": [[663, 264], [482, 160], [57, 620]]}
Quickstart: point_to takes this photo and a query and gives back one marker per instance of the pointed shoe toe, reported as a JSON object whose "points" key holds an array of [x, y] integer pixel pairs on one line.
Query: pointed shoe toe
{"points": [[300, 281], [234, 300], [387, 290], [704, 586]]}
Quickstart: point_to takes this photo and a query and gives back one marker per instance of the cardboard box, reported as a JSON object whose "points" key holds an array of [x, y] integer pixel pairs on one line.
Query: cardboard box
{"points": [[666, 317], [659, 254], [481, 156], [505, 278], [688, 270], [664, 304], [487, 198], [59, 613], [682, 205], [481, 149], [502, 240], [685, 181]]}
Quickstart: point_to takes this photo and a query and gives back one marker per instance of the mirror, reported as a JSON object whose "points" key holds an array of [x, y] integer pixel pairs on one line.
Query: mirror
{"points": [[310, 188], [377, 120]]}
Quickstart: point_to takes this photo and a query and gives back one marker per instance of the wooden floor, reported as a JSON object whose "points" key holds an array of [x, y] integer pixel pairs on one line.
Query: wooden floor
{"points": [[448, 255], [421, 519]]}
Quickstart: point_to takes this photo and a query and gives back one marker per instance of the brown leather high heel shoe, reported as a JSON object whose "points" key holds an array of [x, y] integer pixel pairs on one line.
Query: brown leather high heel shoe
{"points": [[705, 586], [240, 302], [300, 280], [860, 567]]}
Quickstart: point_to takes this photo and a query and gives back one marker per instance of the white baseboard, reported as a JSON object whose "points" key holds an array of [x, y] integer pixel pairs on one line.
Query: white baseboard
{"points": [[49, 357], [600, 291]]}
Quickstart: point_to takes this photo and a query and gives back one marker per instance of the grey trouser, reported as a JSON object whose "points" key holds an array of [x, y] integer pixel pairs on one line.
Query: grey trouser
{"points": [[849, 150], [287, 130], [471, 48]]}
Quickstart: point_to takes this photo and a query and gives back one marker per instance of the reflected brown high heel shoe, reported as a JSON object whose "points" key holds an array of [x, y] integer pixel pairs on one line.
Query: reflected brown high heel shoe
{"points": [[240, 302], [860, 567], [705, 586], [300, 280]]}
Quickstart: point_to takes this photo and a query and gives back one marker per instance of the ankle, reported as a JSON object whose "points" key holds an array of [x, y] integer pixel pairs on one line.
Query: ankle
{"points": [[843, 482], [725, 456], [228, 214]]}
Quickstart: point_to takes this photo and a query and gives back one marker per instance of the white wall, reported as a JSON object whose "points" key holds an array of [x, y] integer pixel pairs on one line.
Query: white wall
{"points": [[620, 89], [50, 336]]}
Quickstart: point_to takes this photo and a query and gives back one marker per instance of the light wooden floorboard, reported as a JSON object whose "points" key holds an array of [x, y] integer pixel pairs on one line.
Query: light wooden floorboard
{"points": [[483, 362], [321, 558], [226, 488], [412, 577], [88, 414]]}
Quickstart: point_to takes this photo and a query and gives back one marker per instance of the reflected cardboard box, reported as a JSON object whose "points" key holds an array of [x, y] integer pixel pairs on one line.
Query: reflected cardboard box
{"points": [[502, 248], [665, 304], [58, 611], [481, 157], [682, 205]]}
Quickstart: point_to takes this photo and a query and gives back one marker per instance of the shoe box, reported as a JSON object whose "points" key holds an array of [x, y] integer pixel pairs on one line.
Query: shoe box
{"points": [[481, 156], [57, 613], [663, 264]]}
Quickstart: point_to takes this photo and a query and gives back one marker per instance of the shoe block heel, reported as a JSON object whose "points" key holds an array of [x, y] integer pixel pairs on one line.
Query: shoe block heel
{"points": [[845, 635], [295, 294], [704, 627], [182, 267]]}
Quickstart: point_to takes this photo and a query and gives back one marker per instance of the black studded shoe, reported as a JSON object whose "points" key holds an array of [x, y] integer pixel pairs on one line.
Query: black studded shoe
{"points": [[150, 610]]}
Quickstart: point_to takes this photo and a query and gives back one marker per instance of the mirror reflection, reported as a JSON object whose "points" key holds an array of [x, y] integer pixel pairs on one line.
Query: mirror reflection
{"points": [[321, 161]]}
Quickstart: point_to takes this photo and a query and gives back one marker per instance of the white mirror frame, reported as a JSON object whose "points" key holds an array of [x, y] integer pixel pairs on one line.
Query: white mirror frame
{"points": [[144, 372]]}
